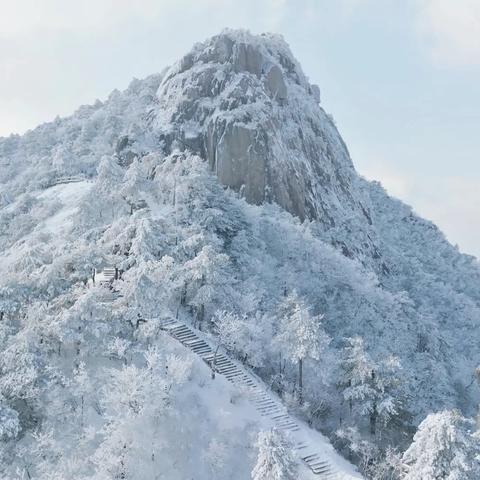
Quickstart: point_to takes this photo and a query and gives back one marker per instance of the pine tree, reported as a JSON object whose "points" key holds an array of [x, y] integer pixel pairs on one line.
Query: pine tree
{"points": [[135, 186], [369, 387], [275, 460], [301, 335], [207, 276], [9, 421], [103, 203], [444, 448]]}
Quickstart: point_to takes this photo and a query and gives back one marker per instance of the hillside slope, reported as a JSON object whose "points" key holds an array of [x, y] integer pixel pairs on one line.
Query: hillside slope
{"points": [[226, 197]]}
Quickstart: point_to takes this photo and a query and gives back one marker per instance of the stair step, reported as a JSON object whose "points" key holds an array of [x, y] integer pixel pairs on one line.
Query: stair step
{"points": [[227, 370], [220, 359], [288, 426], [194, 341], [266, 405], [310, 457], [290, 429], [320, 471], [270, 406], [260, 396], [224, 364], [170, 327], [196, 348], [183, 328], [316, 462], [179, 331], [229, 366], [285, 422], [201, 350], [204, 355], [319, 466], [186, 336], [207, 356]]}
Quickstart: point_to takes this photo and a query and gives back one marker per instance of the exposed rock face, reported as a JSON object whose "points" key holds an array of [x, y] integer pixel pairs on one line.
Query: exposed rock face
{"points": [[243, 103]]}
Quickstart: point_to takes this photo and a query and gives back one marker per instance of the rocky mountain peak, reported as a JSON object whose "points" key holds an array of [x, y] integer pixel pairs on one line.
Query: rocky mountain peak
{"points": [[243, 103]]}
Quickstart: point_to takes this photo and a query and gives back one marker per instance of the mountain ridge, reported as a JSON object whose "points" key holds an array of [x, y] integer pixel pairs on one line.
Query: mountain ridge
{"points": [[227, 197]]}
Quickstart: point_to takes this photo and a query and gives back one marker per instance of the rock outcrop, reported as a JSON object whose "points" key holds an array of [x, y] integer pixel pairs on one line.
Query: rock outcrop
{"points": [[243, 103]]}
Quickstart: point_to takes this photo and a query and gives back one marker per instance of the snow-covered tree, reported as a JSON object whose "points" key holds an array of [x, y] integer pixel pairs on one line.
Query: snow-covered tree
{"points": [[103, 203], [208, 281], [9, 421], [149, 241], [275, 460], [361, 258], [300, 334], [81, 388], [135, 186], [243, 335], [369, 387], [8, 302], [19, 372], [360, 450], [444, 448]]}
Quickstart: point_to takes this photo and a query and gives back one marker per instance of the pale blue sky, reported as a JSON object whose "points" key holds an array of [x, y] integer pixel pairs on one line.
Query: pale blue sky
{"points": [[401, 78]]}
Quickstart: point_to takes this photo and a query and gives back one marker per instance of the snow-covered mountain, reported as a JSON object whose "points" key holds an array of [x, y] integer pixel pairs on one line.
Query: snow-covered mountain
{"points": [[221, 194]]}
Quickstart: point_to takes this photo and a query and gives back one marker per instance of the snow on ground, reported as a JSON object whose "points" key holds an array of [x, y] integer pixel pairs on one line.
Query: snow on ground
{"points": [[231, 408], [53, 229], [219, 394], [69, 195]]}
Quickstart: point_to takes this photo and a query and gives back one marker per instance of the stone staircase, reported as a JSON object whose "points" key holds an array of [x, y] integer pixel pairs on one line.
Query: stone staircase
{"points": [[265, 401], [107, 275], [64, 180]]}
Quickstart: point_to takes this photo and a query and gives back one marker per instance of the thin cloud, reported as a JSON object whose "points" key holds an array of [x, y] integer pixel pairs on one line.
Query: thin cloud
{"points": [[452, 30]]}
